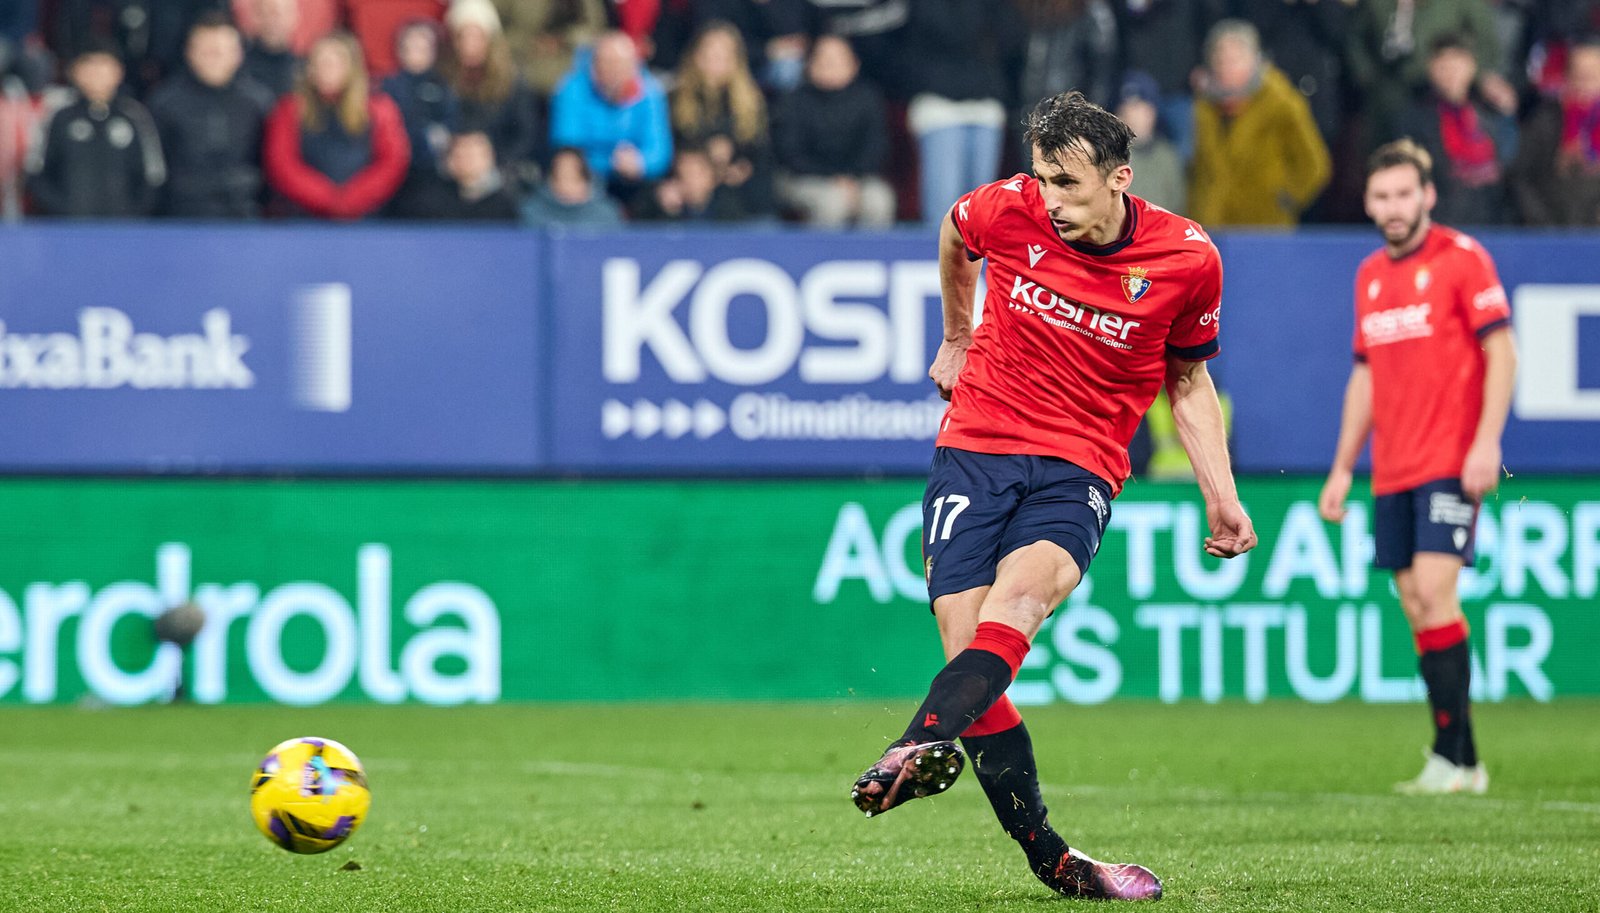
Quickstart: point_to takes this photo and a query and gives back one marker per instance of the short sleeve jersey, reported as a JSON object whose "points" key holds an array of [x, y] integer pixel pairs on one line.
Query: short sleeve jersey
{"points": [[1073, 344], [1419, 319]]}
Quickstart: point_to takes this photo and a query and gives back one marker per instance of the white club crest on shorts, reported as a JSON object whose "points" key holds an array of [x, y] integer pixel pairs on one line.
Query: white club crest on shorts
{"points": [[1459, 537]]}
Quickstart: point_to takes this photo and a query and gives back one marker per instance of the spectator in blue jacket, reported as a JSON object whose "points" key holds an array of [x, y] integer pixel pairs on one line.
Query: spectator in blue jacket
{"points": [[610, 107]]}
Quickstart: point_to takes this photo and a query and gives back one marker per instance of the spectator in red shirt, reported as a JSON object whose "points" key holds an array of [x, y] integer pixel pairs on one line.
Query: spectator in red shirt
{"points": [[1556, 174], [334, 149]]}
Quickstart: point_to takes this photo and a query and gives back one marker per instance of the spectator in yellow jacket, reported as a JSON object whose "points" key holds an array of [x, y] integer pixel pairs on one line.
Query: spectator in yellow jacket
{"points": [[1259, 159]]}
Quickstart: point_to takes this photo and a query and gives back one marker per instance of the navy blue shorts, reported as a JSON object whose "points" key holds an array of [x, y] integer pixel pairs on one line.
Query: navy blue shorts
{"points": [[980, 507], [1433, 517]]}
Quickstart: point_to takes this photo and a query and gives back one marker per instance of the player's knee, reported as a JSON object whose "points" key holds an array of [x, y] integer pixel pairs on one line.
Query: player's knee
{"points": [[1032, 601], [1437, 605]]}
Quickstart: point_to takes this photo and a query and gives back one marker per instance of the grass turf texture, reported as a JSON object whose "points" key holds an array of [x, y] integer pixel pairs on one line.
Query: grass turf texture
{"points": [[744, 807]]}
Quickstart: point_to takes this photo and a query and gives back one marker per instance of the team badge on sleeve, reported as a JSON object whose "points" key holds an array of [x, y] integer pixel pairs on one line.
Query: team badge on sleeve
{"points": [[1134, 285]]}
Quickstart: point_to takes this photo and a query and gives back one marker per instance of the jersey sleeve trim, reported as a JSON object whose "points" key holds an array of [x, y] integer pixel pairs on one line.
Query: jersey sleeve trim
{"points": [[1202, 352], [972, 256], [1360, 358], [1491, 326]]}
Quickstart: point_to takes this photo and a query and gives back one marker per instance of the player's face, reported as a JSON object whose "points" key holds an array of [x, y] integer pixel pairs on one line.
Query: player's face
{"points": [[1079, 198], [1398, 203]]}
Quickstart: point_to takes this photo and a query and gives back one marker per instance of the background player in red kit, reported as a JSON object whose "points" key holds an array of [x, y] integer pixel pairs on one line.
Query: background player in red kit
{"points": [[1432, 383], [1096, 299]]}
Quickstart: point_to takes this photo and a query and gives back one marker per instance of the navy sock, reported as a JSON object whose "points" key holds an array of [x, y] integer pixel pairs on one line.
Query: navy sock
{"points": [[962, 691], [1448, 675], [1005, 768]]}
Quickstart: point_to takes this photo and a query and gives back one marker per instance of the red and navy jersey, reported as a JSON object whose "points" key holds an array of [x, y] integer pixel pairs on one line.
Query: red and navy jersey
{"points": [[1419, 319], [1074, 341]]}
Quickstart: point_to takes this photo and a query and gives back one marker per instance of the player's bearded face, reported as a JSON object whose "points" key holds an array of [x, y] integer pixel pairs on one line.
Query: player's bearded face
{"points": [[1077, 197], [1398, 203]]}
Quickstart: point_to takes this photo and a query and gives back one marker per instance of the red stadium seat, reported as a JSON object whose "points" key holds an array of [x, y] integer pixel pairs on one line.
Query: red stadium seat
{"points": [[18, 114], [375, 22]]}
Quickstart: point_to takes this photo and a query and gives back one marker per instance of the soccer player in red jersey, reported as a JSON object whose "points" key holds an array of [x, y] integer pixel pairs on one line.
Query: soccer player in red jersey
{"points": [[1096, 299], [1432, 384]]}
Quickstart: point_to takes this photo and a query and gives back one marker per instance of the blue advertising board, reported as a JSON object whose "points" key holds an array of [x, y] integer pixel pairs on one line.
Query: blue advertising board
{"points": [[389, 350], [1288, 320], [748, 351], [238, 349]]}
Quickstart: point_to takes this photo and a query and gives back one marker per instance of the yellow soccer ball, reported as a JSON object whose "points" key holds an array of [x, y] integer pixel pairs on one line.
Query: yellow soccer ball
{"points": [[309, 795]]}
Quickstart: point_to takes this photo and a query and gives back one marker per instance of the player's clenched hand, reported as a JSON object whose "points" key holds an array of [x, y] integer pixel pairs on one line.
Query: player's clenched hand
{"points": [[1481, 471], [947, 365], [1334, 492], [1231, 531]]}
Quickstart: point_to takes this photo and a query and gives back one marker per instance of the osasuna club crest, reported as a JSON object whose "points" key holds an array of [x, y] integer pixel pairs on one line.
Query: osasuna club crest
{"points": [[1134, 285]]}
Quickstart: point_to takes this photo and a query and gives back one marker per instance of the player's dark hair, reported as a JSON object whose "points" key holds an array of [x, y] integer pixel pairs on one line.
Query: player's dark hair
{"points": [[1403, 151], [1070, 121]]}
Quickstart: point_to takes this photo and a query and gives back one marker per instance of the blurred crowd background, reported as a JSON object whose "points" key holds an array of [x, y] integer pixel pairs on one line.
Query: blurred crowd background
{"points": [[827, 112]]}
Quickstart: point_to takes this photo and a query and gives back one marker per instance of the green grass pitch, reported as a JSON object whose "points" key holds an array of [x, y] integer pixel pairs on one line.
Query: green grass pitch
{"points": [[739, 807]]}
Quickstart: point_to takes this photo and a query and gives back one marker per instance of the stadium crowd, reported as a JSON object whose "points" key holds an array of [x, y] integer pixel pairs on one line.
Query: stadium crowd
{"points": [[830, 112]]}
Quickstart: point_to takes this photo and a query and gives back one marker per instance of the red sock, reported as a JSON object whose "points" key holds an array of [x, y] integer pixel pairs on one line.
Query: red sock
{"points": [[999, 718], [1003, 641], [1441, 638]]}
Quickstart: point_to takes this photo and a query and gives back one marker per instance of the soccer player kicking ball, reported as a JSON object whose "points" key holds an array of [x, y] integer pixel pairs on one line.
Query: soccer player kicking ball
{"points": [[1432, 384], [1095, 300]]}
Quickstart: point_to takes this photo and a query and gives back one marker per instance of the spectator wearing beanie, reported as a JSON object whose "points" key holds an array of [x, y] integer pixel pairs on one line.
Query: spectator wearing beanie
{"points": [[334, 150], [476, 63], [1158, 173]]}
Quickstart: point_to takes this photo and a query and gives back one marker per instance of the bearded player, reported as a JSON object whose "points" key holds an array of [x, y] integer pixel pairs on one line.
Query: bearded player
{"points": [[1435, 364], [1096, 299]]}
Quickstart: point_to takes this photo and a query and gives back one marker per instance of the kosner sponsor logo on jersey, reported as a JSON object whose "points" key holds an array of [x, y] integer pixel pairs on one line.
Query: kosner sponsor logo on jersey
{"points": [[1304, 614], [1107, 327], [1397, 324], [456, 622], [844, 322]]}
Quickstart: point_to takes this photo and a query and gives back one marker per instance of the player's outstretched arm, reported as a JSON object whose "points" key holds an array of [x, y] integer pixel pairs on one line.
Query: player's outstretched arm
{"points": [[1198, 416], [1481, 471], [1354, 427], [958, 285]]}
